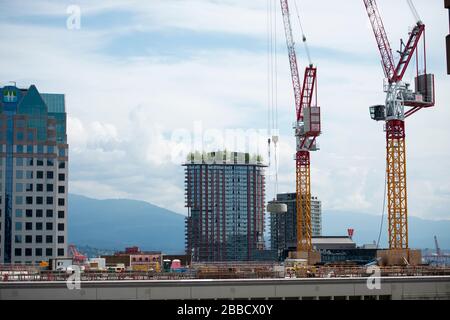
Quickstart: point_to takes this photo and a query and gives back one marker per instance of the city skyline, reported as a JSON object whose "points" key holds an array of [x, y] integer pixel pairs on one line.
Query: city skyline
{"points": [[122, 112]]}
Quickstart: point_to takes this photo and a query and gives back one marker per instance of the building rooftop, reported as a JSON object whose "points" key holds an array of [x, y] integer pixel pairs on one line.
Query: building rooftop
{"points": [[332, 239], [224, 157]]}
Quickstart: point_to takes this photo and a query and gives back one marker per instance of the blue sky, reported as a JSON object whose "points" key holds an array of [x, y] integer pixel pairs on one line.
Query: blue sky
{"points": [[138, 71]]}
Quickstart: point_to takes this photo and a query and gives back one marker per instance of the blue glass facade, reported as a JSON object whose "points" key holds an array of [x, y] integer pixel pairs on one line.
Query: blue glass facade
{"points": [[32, 139]]}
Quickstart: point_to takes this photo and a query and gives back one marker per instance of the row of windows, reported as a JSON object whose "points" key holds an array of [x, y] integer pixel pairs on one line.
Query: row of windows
{"points": [[39, 226], [38, 252], [39, 175], [38, 239], [39, 149], [39, 162], [39, 213], [39, 187], [39, 200]]}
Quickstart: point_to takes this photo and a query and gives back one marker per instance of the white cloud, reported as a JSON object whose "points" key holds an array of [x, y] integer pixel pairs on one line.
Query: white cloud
{"points": [[123, 110]]}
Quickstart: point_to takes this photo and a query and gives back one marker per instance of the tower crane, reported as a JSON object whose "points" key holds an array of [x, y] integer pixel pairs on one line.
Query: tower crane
{"points": [[399, 96], [307, 129]]}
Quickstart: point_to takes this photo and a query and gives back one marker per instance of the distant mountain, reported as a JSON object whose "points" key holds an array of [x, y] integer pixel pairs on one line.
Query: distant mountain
{"points": [[119, 223], [421, 231], [94, 252]]}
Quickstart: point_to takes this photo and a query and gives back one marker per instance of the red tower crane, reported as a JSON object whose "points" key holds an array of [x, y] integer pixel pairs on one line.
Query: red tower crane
{"points": [[398, 96], [307, 129], [77, 257]]}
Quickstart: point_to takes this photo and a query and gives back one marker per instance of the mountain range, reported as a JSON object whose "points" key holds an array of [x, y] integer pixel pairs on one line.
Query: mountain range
{"points": [[114, 224]]}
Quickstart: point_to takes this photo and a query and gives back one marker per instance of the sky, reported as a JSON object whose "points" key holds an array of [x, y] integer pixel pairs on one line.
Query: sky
{"points": [[145, 80]]}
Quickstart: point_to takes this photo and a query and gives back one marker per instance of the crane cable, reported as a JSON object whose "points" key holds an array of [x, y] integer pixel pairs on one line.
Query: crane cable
{"points": [[272, 85], [305, 43], [384, 208], [414, 11]]}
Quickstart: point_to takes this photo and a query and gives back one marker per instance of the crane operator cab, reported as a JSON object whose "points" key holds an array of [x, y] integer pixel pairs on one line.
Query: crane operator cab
{"points": [[378, 113]]}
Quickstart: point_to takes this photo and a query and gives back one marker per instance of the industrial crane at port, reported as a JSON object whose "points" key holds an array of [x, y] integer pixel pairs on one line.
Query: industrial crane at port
{"points": [[399, 96], [307, 129]]}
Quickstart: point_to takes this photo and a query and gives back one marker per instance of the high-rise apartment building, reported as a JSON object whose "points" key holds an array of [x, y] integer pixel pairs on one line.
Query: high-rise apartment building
{"points": [[283, 227], [33, 175], [225, 200]]}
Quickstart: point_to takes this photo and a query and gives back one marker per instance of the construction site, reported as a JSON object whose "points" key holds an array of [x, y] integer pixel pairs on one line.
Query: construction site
{"points": [[217, 248]]}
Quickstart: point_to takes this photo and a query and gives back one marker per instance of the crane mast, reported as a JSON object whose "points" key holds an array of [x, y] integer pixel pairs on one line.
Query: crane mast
{"points": [[399, 95], [307, 128]]}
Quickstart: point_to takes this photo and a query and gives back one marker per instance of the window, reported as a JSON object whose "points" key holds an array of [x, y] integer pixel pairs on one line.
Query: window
{"points": [[30, 136], [50, 162], [48, 239], [40, 149], [28, 252], [19, 162], [61, 214], [49, 226], [19, 213], [28, 226], [49, 200], [61, 252], [49, 187], [40, 162], [29, 187], [29, 149], [61, 202], [38, 252], [19, 187], [49, 174], [29, 161], [60, 239], [62, 152], [48, 252], [18, 239], [18, 226], [61, 177], [19, 148], [61, 189], [40, 174], [61, 165], [20, 136], [39, 239], [38, 225], [29, 200], [28, 239], [60, 226], [49, 213], [19, 174], [50, 149], [29, 213], [39, 187], [39, 213], [19, 200], [39, 200], [18, 252], [29, 174]]}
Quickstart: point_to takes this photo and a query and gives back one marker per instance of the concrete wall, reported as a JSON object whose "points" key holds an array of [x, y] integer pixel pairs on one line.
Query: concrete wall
{"points": [[331, 288]]}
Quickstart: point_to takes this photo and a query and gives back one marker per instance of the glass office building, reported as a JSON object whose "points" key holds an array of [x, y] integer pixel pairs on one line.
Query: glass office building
{"points": [[33, 176], [283, 227], [225, 201]]}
